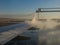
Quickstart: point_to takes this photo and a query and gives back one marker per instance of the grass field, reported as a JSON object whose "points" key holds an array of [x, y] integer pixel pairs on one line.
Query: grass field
{"points": [[9, 21]]}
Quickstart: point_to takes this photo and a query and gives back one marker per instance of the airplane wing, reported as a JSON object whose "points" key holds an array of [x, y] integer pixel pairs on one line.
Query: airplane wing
{"points": [[9, 33]]}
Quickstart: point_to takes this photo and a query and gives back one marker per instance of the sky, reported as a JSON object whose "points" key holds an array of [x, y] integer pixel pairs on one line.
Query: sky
{"points": [[24, 7]]}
